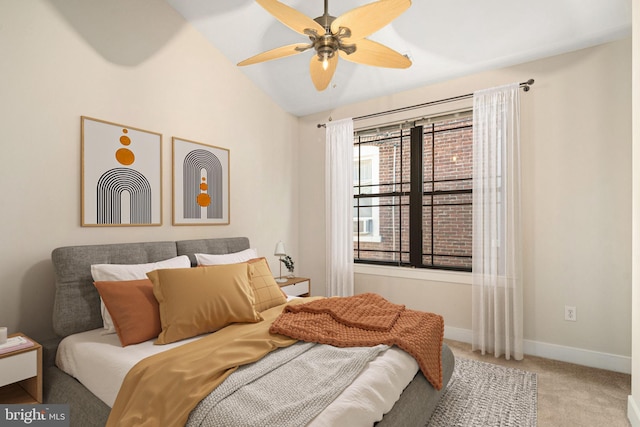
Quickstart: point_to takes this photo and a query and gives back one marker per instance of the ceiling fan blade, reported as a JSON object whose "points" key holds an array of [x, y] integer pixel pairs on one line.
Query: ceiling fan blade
{"points": [[367, 19], [290, 17], [373, 53], [279, 52], [321, 77]]}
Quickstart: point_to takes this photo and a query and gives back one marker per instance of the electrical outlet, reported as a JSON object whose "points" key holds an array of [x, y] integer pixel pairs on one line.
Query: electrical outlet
{"points": [[570, 313]]}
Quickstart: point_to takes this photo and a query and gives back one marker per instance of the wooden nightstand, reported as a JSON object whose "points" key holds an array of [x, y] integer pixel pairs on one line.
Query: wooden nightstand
{"points": [[21, 374], [296, 286]]}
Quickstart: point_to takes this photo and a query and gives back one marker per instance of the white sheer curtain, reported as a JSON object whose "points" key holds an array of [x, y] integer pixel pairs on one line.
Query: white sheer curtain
{"points": [[497, 243], [339, 206]]}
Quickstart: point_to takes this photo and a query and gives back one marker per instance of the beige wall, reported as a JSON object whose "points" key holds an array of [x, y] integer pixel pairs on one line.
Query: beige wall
{"points": [[138, 64], [576, 165]]}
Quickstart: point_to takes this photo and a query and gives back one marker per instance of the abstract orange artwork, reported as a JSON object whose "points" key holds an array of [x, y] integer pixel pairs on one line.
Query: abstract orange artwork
{"points": [[200, 183], [121, 175]]}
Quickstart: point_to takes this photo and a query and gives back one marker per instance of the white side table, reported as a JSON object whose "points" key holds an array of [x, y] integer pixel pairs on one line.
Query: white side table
{"points": [[296, 286], [21, 374]]}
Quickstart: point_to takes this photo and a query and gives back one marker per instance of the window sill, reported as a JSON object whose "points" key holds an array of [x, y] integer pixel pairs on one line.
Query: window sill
{"points": [[458, 277]]}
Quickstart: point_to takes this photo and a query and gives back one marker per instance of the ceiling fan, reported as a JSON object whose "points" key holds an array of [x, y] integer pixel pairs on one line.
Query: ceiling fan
{"points": [[344, 35]]}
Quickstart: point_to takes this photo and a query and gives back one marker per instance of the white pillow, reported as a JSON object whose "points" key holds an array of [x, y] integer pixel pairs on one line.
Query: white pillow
{"points": [[120, 272], [232, 258]]}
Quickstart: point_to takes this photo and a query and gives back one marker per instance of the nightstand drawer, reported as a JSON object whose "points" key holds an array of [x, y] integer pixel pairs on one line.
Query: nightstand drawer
{"points": [[298, 289], [18, 367]]}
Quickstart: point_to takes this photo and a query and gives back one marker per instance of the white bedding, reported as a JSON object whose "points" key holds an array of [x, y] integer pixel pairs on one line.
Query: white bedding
{"points": [[100, 364]]}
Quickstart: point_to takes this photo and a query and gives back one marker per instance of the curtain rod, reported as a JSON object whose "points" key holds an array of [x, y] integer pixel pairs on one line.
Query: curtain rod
{"points": [[524, 85]]}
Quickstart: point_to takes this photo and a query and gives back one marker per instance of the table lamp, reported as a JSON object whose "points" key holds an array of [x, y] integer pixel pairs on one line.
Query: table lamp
{"points": [[279, 252]]}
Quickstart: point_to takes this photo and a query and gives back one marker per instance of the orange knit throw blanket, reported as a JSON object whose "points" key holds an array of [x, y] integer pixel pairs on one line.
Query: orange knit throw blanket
{"points": [[367, 320]]}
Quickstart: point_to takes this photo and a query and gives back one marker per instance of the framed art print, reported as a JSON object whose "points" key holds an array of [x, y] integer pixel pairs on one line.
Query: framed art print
{"points": [[121, 175], [200, 183]]}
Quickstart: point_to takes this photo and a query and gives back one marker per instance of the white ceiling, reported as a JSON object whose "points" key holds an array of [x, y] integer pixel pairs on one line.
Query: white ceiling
{"points": [[444, 39]]}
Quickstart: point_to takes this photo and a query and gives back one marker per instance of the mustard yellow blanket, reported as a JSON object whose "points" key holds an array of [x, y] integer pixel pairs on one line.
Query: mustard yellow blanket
{"points": [[163, 389]]}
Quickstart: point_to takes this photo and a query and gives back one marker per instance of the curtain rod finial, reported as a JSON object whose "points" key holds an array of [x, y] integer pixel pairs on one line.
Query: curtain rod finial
{"points": [[324, 125], [527, 85]]}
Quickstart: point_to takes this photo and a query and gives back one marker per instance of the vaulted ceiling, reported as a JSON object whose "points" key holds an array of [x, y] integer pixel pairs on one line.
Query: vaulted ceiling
{"points": [[444, 40]]}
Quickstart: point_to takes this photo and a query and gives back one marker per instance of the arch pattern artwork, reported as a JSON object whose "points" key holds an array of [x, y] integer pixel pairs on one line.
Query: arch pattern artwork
{"points": [[110, 190], [201, 183], [121, 175]]}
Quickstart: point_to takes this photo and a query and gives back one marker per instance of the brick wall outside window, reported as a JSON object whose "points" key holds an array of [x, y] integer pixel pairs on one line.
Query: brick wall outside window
{"points": [[446, 201]]}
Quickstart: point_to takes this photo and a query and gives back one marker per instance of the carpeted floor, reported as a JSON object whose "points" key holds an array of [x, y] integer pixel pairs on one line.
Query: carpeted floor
{"points": [[482, 394], [568, 395]]}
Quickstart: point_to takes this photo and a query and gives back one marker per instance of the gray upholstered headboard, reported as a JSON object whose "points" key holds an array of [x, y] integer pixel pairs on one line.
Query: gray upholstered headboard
{"points": [[76, 307]]}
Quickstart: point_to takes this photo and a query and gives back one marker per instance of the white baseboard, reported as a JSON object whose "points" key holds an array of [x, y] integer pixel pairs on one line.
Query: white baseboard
{"points": [[633, 413], [594, 359], [457, 334]]}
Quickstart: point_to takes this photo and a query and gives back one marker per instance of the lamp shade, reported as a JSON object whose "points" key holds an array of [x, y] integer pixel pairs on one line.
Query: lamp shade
{"points": [[279, 249]]}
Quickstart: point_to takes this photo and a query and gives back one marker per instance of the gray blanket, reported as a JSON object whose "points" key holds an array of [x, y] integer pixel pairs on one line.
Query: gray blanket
{"points": [[288, 387]]}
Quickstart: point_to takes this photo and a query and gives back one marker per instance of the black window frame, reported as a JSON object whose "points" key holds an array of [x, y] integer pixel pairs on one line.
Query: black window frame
{"points": [[425, 189]]}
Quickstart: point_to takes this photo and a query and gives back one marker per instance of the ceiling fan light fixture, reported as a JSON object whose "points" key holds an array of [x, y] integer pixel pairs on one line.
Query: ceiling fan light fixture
{"points": [[326, 51], [346, 33]]}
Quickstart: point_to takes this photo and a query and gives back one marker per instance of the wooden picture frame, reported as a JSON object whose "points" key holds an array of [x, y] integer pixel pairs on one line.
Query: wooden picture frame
{"points": [[200, 183], [121, 175]]}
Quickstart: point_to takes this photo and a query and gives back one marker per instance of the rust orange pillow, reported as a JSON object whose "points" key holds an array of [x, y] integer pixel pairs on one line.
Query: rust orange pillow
{"points": [[133, 308]]}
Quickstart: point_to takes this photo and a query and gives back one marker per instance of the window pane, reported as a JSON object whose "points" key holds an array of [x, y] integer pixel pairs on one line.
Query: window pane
{"points": [[404, 230], [381, 160], [453, 152], [452, 230], [382, 186], [452, 262], [448, 223], [426, 235]]}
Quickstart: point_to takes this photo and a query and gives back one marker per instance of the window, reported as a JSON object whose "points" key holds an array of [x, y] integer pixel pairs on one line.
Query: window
{"points": [[413, 194], [366, 175]]}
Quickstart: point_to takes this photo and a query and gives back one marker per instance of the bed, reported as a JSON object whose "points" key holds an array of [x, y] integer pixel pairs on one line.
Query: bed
{"points": [[77, 316]]}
